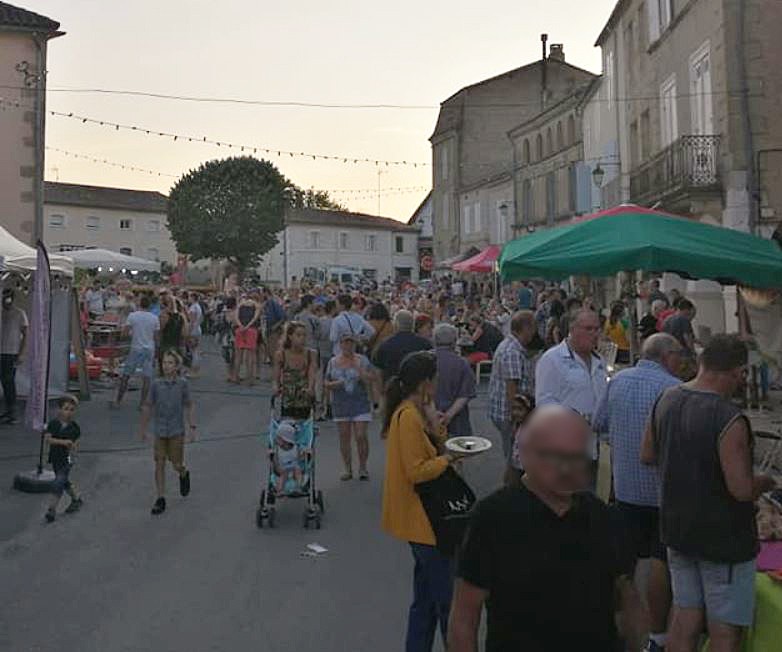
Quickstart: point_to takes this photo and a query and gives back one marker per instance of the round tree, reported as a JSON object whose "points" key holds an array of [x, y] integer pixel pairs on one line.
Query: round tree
{"points": [[231, 210]]}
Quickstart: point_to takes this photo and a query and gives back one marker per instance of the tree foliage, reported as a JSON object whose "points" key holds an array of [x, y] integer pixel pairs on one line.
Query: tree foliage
{"points": [[233, 209]]}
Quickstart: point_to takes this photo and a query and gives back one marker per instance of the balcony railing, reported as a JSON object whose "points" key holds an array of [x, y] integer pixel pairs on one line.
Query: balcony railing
{"points": [[690, 164]]}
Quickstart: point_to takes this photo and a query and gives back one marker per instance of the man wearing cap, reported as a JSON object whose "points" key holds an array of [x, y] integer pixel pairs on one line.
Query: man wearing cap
{"points": [[391, 352], [455, 382], [13, 337]]}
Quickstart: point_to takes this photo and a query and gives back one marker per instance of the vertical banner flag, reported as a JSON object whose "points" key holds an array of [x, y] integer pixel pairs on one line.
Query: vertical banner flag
{"points": [[39, 341]]}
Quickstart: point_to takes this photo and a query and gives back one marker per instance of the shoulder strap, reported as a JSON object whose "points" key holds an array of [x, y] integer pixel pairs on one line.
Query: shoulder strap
{"points": [[350, 324]]}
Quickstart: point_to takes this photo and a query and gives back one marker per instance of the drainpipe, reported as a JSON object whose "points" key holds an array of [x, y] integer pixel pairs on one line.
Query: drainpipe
{"points": [[749, 143], [543, 73]]}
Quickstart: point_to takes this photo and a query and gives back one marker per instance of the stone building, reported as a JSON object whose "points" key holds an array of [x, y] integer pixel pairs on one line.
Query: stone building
{"points": [[472, 160], [694, 89], [551, 180], [24, 38]]}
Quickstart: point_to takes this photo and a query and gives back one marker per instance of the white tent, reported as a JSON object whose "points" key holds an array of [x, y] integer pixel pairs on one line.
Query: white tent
{"points": [[111, 261], [18, 256]]}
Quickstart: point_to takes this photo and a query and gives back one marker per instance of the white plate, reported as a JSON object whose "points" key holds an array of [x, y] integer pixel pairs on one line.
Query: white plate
{"points": [[468, 445]]}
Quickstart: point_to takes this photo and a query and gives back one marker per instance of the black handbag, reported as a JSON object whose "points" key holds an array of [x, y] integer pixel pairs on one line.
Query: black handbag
{"points": [[447, 501]]}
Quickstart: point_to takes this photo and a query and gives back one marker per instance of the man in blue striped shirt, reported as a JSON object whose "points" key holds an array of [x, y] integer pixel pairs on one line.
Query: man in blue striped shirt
{"points": [[622, 414]]}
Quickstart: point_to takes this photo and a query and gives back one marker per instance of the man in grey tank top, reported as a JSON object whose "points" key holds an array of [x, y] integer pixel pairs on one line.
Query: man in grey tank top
{"points": [[703, 444]]}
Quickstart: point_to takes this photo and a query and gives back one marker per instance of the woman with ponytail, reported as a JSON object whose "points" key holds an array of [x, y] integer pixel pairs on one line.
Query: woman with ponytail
{"points": [[415, 434]]}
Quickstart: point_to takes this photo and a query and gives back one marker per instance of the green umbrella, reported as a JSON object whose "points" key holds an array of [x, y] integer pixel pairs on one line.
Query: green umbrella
{"points": [[629, 238]]}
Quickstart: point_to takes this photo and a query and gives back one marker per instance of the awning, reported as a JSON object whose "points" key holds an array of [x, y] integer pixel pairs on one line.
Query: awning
{"points": [[632, 238], [448, 263], [483, 262], [111, 261], [18, 256]]}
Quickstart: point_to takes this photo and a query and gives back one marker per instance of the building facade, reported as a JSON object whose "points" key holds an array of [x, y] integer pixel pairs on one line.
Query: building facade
{"points": [[694, 92], [131, 222], [472, 161], [422, 218], [551, 180], [24, 37], [318, 244]]}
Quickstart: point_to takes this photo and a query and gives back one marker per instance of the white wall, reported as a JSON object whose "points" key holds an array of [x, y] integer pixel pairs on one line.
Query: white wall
{"points": [[296, 243], [140, 239]]}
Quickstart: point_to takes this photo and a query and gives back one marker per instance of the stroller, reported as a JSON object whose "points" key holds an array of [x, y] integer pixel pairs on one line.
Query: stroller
{"points": [[304, 444]]}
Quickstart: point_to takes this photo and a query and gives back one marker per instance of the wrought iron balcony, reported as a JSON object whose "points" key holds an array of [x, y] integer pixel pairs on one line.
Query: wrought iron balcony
{"points": [[690, 165]]}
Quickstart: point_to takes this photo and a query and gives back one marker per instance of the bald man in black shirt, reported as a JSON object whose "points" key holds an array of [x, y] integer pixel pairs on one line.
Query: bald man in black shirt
{"points": [[546, 558]]}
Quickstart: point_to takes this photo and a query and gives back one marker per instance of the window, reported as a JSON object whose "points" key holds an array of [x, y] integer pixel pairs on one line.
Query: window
{"points": [[314, 240], [609, 78], [70, 247], [700, 91], [646, 135], [526, 151], [571, 130], [669, 127], [446, 217], [444, 161], [527, 201], [57, 221], [572, 186], [634, 143], [125, 225], [400, 244], [560, 136], [539, 147], [660, 15], [153, 253], [476, 217], [467, 218], [369, 243], [549, 142], [344, 241], [551, 197], [153, 226], [126, 251], [92, 222]]}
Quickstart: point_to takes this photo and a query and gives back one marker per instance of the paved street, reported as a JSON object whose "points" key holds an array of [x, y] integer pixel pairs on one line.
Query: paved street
{"points": [[202, 576]]}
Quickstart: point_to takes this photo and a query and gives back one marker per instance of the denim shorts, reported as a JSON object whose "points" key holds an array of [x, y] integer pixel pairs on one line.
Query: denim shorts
{"points": [[140, 362], [725, 591]]}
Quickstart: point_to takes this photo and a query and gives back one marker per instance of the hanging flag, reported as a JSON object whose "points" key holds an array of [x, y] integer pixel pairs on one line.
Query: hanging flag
{"points": [[39, 343]]}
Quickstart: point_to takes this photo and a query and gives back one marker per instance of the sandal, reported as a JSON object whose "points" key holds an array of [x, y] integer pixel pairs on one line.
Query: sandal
{"points": [[348, 475]]}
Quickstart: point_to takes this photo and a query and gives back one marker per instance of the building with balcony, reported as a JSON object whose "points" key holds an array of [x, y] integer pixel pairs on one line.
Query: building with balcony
{"points": [[696, 102], [472, 160]]}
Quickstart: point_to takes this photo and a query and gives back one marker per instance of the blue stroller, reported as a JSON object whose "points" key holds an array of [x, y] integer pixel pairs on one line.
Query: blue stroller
{"points": [[301, 466]]}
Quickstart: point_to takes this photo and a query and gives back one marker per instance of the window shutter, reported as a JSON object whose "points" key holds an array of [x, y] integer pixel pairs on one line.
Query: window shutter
{"points": [[584, 188], [654, 20], [477, 218]]}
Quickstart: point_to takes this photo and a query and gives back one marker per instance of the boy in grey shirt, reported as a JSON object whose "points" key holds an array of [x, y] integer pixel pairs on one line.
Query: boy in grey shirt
{"points": [[173, 411]]}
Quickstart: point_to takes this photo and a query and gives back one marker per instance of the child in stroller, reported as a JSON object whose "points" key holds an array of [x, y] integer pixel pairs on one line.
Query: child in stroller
{"points": [[289, 459]]}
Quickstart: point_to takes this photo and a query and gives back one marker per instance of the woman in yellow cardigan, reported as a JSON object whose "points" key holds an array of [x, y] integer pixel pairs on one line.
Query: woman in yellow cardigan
{"points": [[415, 435]]}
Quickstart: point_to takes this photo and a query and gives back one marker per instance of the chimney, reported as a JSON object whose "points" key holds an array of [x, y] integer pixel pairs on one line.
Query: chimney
{"points": [[557, 52]]}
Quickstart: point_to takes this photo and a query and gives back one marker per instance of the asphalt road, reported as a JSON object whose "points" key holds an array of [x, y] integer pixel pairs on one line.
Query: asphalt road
{"points": [[202, 577]]}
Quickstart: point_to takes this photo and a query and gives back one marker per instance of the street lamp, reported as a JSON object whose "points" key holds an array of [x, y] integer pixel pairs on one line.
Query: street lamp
{"points": [[598, 174]]}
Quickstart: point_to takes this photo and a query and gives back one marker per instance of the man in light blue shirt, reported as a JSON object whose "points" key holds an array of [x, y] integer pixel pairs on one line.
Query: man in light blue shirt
{"points": [[622, 415], [349, 322]]}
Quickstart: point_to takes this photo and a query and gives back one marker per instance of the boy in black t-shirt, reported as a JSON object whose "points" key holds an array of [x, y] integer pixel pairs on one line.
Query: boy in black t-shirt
{"points": [[63, 434]]}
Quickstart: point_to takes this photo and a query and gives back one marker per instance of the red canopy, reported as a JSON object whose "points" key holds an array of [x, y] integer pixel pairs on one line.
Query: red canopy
{"points": [[482, 262]]}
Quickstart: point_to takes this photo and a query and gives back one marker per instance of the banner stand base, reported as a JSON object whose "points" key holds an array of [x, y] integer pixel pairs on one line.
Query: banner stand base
{"points": [[32, 482]]}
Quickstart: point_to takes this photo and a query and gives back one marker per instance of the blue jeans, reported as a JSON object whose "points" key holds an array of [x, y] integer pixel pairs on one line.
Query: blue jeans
{"points": [[62, 480], [432, 591]]}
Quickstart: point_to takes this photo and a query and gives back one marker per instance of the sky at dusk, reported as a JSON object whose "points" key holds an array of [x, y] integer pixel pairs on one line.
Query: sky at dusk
{"points": [[406, 52]]}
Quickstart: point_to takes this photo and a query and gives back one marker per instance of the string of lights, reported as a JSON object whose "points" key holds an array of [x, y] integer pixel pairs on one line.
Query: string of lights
{"points": [[249, 149], [347, 193]]}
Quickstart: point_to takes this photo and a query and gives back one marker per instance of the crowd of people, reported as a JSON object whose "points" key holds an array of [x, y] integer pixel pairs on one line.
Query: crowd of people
{"points": [[549, 561]]}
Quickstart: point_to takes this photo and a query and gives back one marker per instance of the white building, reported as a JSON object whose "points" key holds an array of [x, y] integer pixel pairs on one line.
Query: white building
{"points": [[131, 222], [320, 242]]}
